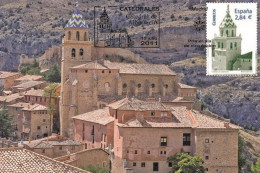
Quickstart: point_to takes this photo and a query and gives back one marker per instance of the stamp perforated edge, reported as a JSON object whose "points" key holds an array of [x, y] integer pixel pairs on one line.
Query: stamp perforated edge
{"points": [[255, 73]]}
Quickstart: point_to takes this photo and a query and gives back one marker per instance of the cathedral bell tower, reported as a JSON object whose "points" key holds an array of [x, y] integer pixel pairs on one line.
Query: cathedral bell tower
{"points": [[76, 50], [228, 44]]}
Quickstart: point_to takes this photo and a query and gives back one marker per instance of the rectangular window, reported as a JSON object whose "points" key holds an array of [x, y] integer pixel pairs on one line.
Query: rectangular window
{"points": [[170, 164], [83, 132], [43, 120], [164, 152], [206, 157], [218, 44], [152, 113], [148, 152], [134, 163], [72, 147], [38, 127], [135, 151], [163, 141], [43, 151], [143, 164], [60, 147], [155, 166], [163, 114], [186, 139]]}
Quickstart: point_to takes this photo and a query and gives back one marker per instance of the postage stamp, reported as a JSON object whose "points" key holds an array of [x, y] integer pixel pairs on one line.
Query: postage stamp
{"points": [[117, 27], [232, 34]]}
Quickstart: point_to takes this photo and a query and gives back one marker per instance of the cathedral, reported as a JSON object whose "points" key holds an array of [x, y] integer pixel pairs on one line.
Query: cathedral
{"points": [[227, 51], [89, 82]]}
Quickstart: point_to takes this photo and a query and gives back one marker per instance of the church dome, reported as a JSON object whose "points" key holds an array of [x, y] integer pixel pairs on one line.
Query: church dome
{"points": [[227, 21], [76, 21]]}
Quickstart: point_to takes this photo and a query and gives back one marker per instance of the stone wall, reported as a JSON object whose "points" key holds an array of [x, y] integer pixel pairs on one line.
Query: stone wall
{"points": [[221, 149], [87, 157]]}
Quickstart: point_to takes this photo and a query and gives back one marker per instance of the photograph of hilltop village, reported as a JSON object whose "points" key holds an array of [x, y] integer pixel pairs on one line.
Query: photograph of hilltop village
{"points": [[68, 106]]}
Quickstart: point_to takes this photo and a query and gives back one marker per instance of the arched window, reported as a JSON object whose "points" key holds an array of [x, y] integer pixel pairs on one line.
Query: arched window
{"points": [[69, 35], [107, 85], [222, 45], [139, 85], [85, 36], [77, 35], [232, 33], [73, 53], [231, 45], [222, 33], [235, 45], [227, 32], [153, 85], [124, 85], [81, 52]]}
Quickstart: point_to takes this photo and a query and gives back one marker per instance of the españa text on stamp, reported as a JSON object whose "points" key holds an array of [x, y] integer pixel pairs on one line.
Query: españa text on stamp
{"points": [[127, 21], [232, 31]]}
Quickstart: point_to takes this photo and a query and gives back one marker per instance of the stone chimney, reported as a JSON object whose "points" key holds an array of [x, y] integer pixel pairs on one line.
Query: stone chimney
{"points": [[226, 124]]}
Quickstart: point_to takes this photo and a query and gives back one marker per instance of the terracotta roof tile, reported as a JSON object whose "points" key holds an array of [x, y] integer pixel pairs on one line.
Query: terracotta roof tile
{"points": [[22, 160], [132, 68], [29, 84], [34, 107], [138, 105], [185, 86], [11, 97], [99, 116], [33, 92], [90, 65], [5, 74], [20, 105], [30, 77]]}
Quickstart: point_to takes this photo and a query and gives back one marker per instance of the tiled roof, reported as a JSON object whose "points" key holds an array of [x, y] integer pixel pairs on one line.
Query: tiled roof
{"points": [[38, 144], [65, 142], [227, 21], [33, 92], [138, 105], [35, 107], [90, 65], [22, 160], [29, 77], [5, 74], [185, 86], [181, 118], [99, 116], [11, 97], [29, 84], [132, 68], [76, 21], [129, 68], [51, 143], [20, 105], [205, 121]]}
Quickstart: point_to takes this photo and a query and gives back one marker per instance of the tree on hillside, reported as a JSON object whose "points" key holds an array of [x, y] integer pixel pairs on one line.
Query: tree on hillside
{"points": [[95, 169], [255, 168], [50, 92], [241, 158], [184, 163], [6, 123], [54, 74]]}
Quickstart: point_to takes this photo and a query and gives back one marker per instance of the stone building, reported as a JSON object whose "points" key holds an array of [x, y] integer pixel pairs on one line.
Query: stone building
{"points": [[172, 129], [28, 85], [227, 52], [7, 79], [11, 99], [54, 146], [28, 78], [37, 122]]}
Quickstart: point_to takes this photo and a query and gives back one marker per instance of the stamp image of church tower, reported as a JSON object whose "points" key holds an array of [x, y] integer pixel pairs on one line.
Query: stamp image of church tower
{"points": [[226, 54]]}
